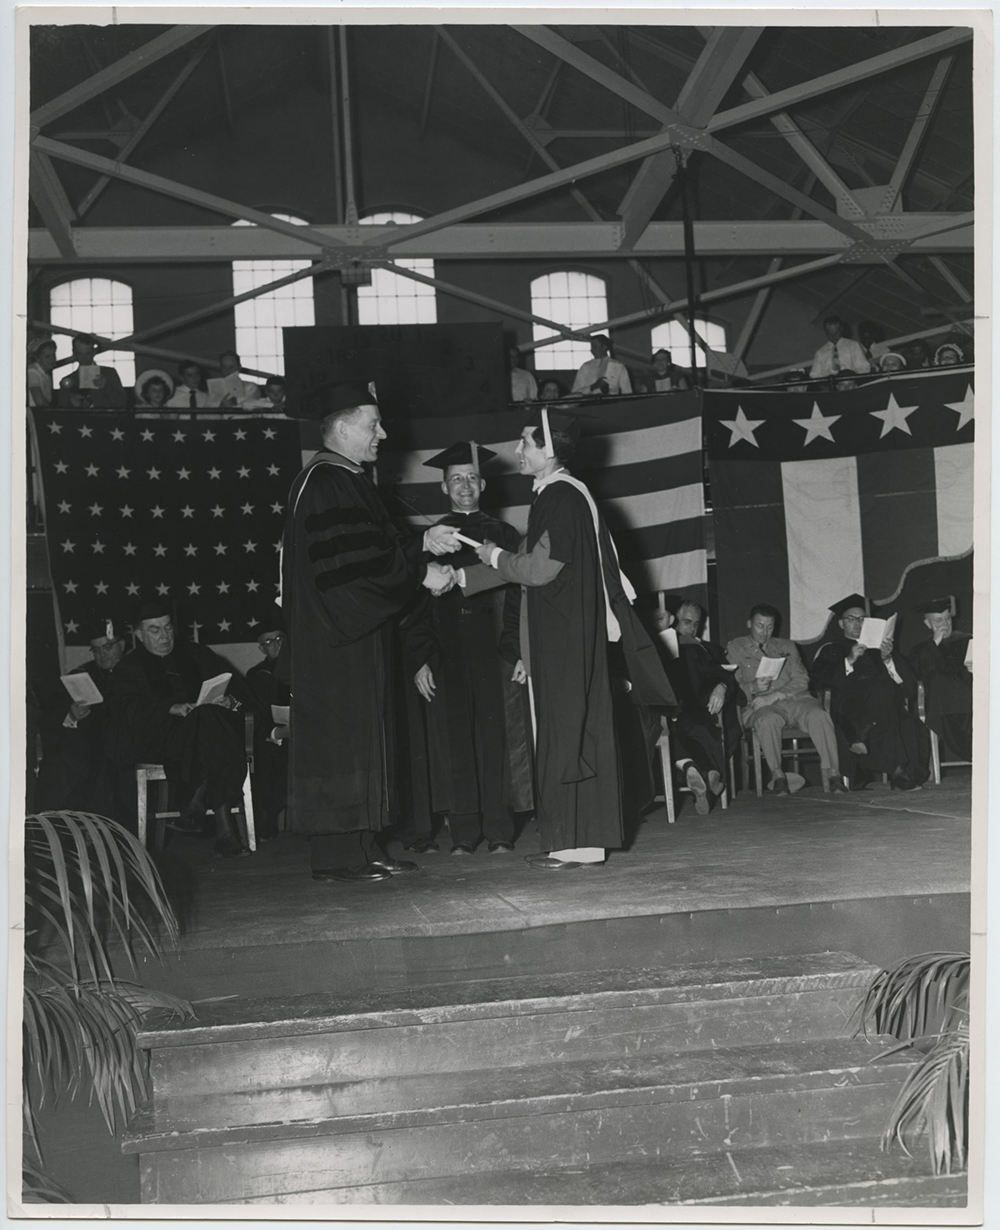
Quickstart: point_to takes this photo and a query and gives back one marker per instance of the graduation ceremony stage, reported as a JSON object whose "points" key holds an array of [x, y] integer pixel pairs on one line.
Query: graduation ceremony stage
{"points": [[754, 930]]}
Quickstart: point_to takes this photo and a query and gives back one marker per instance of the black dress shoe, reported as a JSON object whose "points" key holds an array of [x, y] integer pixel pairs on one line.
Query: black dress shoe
{"points": [[696, 784], [424, 845], [835, 785], [394, 866], [501, 847], [353, 875], [231, 847], [780, 786], [463, 847], [545, 862]]}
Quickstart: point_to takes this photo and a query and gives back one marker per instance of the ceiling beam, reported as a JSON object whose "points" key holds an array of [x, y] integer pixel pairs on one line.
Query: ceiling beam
{"points": [[149, 53], [52, 203], [161, 105], [506, 241], [180, 192], [684, 135], [918, 131], [783, 100], [957, 286]]}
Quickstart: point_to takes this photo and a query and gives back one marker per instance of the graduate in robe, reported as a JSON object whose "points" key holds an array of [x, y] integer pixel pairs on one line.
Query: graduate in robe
{"points": [[463, 654], [347, 571], [873, 702], [270, 737], [939, 664], [575, 603]]}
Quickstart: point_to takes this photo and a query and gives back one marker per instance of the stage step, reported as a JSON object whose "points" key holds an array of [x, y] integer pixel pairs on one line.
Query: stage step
{"points": [[323, 1099], [804, 1175]]}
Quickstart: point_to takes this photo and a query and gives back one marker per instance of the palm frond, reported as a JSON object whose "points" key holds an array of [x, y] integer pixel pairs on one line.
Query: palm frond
{"points": [[36, 1186], [934, 1100], [919, 994]]}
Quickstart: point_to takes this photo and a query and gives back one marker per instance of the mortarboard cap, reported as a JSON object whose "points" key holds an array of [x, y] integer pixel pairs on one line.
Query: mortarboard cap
{"points": [[565, 424], [275, 622], [155, 608], [845, 604], [103, 627], [937, 606], [337, 397], [460, 454]]}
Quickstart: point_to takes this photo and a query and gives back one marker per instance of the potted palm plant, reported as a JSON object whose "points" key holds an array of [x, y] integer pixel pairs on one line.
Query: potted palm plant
{"points": [[92, 894], [924, 1001]]}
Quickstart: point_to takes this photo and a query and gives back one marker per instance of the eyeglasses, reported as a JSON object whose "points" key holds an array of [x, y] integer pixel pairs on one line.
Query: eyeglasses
{"points": [[277, 639]]}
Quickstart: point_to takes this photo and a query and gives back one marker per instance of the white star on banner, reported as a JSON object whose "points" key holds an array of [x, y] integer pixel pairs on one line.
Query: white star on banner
{"points": [[122, 472], [179, 437], [147, 435], [214, 473], [67, 545], [208, 435], [117, 434], [277, 545], [96, 510], [224, 625], [61, 467], [220, 548], [70, 587], [217, 511], [129, 549], [98, 547], [162, 589], [157, 512], [187, 511], [277, 508], [132, 590], [55, 428], [894, 416], [817, 425], [223, 587], [273, 471], [72, 626], [92, 471], [247, 509], [86, 432], [741, 428], [243, 472], [252, 623], [64, 507], [153, 473], [190, 549], [194, 589], [269, 433], [182, 473], [126, 511], [101, 587], [252, 586], [966, 408], [249, 546], [241, 434], [160, 550]]}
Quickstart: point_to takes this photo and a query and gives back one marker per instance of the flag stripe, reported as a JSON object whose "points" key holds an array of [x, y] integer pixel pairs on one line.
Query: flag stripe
{"points": [[898, 515], [684, 572], [823, 536], [953, 471]]}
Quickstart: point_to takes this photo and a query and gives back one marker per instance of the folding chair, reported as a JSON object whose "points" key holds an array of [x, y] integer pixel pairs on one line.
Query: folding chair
{"points": [[663, 746], [937, 764]]}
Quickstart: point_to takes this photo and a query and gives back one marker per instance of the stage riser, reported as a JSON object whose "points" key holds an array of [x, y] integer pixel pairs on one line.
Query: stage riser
{"points": [[669, 1130], [503, 1042]]}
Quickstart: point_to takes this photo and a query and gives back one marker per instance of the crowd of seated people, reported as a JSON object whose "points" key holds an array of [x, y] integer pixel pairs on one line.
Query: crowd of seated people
{"points": [[93, 386]]}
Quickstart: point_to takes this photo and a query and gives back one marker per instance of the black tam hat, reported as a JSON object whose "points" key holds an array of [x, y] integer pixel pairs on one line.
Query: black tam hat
{"points": [[845, 604], [103, 627], [275, 622], [460, 454], [156, 608], [337, 397], [937, 606]]}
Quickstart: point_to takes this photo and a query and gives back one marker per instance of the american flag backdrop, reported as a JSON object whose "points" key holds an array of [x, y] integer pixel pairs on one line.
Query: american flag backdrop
{"points": [[641, 457], [816, 496], [189, 511]]}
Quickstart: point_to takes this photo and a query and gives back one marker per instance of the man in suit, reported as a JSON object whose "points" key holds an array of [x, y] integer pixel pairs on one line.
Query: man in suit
{"points": [[781, 700], [839, 354], [90, 387]]}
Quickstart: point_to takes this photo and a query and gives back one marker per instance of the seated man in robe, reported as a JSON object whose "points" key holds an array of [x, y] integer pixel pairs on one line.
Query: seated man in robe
{"points": [[75, 772], [270, 736], [781, 700], [939, 663], [872, 702], [464, 657], [154, 718], [704, 689]]}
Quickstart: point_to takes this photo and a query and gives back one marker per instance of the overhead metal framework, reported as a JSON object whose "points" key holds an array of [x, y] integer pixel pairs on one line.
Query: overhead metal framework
{"points": [[866, 228]]}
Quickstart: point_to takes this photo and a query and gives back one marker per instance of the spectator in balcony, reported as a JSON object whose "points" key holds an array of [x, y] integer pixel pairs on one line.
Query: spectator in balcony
{"points": [[795, 379], [231, 390], [41, 361], [666, 376], [920, 353], [189, 394], [551, 390], [948, 355], [603, 375], [90, 387], [274, 392], [892, 362], [872, 340], [153, 389], [839, 353], [522, 383]]}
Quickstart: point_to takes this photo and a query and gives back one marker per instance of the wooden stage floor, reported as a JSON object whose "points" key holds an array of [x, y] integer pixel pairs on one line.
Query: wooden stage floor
{"points": [[760, 852]]}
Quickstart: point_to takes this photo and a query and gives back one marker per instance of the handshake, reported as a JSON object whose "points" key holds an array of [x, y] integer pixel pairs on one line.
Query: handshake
{"points": [[440, 578]]}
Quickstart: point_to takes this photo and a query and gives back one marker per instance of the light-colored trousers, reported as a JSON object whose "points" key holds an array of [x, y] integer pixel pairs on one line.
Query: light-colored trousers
{"points": [[809, 715]]}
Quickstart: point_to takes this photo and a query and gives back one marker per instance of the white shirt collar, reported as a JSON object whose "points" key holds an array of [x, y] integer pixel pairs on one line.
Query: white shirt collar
{"points": [[539, 483]]}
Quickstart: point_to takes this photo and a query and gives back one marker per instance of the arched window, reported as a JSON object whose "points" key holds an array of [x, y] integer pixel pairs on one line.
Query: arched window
{"points": [[392, 300], [259, 321], [574, 299], [95, 305], [673, 336]]}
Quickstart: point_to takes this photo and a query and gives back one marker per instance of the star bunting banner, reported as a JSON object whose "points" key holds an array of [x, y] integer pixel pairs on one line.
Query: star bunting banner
{"points": [[820, 495], [188, 511]]}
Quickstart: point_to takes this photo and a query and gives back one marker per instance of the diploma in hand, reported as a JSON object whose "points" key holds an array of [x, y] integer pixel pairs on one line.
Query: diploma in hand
{"points": [[469, 542]]}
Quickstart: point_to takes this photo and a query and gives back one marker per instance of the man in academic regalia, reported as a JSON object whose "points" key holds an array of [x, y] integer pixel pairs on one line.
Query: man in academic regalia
{"points": [[873, 695], [346, 571], [463, 654], [270, 736], [575, 601], [939, 664], [153, 717], [75, 771]]}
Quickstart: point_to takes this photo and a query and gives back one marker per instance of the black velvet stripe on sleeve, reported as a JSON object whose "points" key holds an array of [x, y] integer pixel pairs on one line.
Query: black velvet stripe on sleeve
{"points": [[351, 572], [340, 544], [330, 518]]}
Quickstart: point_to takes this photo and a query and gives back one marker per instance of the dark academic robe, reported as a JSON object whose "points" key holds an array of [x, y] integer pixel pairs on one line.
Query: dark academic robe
{"points": [[947, 691], [206, 746], [694, 675], [868, 706], [75, 771], [577, 782], [478, 725], [270, 779], [346, 571]]}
